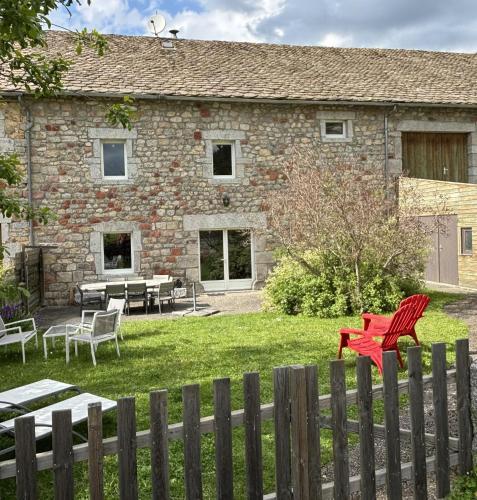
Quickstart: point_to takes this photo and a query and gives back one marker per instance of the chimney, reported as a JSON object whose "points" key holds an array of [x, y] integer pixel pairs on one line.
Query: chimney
{"points": [[174, 33]]}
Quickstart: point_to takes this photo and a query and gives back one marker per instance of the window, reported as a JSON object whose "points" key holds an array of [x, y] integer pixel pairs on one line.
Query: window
{"points": [[113, 158], [117, 254], [466, 241], [335, 129], [223, 159]]}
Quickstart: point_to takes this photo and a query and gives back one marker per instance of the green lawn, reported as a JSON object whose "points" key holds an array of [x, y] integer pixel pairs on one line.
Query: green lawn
{"points": [[161, 354]]}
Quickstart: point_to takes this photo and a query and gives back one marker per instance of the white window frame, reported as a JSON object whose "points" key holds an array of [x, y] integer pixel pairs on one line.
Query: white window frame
{"points": [[125, 270], [344, 135], [227, 283], [462, 240], [125, 156], [232, 152]]}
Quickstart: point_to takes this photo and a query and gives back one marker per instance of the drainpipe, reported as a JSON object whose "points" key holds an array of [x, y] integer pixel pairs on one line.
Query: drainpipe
{"points": [[386, 148], [28, 127]]}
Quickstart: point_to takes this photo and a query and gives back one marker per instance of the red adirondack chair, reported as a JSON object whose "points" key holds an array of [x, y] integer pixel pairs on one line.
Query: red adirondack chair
{"points": [[375, 324], [364, 344]]}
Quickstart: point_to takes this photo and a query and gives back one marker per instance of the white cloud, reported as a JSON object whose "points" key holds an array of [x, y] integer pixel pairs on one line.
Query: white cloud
{"points": [[335, 40], [107, 16], [222, 23], [426, 24]]}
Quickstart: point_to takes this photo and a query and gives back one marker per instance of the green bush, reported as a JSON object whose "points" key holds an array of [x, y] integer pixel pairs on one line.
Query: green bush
{"points": [[330, 291], [464, 487]]}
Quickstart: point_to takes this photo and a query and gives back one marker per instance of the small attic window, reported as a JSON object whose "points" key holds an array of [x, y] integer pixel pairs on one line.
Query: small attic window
{"points": [[167, 44], [335, 129]]}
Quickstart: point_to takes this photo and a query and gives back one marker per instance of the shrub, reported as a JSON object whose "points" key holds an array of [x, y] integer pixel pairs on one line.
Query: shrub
{"points": [[328, 290], [10, 292]]}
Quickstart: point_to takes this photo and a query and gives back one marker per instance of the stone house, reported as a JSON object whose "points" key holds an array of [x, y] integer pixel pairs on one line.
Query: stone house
{"points": [[185, 191]]}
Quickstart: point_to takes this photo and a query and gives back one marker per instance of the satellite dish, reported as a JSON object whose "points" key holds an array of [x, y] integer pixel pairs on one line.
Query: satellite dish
{"points": [[156, 24]]}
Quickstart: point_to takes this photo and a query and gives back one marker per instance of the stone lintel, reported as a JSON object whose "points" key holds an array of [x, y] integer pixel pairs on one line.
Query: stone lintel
{"points": [[225, 221]]}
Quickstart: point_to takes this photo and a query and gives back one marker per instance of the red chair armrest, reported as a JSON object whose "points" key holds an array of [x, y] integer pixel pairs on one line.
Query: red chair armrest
{"points": [[352, 331], [374, 317]]}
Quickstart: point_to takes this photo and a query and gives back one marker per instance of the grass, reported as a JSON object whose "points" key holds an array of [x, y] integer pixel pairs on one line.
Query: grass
{"points": [[169, 354]]}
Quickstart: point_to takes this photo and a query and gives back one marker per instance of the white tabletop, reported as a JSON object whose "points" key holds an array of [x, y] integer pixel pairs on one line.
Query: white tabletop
{"points": [[100, 286], [60, 330]]}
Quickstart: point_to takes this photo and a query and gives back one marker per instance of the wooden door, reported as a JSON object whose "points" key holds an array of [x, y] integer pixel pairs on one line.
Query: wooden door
{"points": [[442, 265], [448, 250], [431, 272], [437, 156]]}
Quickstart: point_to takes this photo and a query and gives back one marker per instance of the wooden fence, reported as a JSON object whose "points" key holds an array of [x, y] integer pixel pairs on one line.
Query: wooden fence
{"points": [[298, 413], [29, 274]]}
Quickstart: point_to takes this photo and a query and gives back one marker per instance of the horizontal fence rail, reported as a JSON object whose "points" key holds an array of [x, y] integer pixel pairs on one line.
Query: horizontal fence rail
{"points": [[297, 414]]}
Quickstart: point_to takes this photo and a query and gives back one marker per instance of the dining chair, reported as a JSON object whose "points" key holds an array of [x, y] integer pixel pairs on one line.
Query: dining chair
{"points": [[136, 292], [115, 291]]}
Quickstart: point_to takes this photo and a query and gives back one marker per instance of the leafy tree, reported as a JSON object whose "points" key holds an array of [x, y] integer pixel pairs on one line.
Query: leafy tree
{"points": [[352, 236], [25, 67]]}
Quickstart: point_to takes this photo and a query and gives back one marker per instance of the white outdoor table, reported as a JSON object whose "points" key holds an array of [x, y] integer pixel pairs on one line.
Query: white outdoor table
{"points": [[100, 286], [60, 331]]}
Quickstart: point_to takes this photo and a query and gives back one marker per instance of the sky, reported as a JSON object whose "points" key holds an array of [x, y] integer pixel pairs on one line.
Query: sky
{"points": [[449, 25]]}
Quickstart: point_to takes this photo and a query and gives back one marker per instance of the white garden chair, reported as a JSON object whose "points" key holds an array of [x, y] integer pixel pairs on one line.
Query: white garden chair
{"points": [[18, 332], [102, 329], [113, 304]]}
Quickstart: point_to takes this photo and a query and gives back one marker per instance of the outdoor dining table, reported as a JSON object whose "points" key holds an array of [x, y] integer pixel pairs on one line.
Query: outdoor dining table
{"points": [[100, 286]]}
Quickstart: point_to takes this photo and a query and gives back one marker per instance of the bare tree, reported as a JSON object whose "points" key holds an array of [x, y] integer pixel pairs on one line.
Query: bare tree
{"points": [[341, 209]]}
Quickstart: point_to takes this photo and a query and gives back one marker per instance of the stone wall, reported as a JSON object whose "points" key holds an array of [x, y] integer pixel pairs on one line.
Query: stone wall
{"points": [[12, 140], [169, 148]]}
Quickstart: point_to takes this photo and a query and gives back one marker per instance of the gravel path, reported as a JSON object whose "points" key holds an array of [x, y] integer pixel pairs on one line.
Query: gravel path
{"points": [[466, 310]]}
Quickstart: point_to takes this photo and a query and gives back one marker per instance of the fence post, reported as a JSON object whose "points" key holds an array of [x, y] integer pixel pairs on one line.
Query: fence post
{"points": [[366, 432], [159, 445], [25, 453], [281, 414], [439, 396], [391, 422], [416, 410], [340, 430], [63, 454], [127, 449], [463, 405], [192, 461], [299, 433], [253, 436], [313, 416], [473, 398], [95, 451], [223, 439]]}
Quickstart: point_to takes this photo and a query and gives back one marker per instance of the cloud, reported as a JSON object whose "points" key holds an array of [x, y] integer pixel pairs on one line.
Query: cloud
{"points": [[108, 16], [222, 22], [425, 24]]}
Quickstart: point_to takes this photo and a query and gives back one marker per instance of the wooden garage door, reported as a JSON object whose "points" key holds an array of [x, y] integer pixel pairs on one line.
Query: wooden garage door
{"points": [[441, 157]]}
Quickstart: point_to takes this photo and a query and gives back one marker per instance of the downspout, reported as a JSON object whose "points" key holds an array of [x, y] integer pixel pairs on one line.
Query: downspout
{"points": [[28, 127], [386, 147]]}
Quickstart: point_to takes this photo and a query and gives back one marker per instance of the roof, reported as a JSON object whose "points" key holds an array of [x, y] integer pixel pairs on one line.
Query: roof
{"points": [[138, 65]]}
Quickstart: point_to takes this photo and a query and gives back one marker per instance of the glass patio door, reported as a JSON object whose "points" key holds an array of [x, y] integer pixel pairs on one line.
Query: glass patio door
{"points": [[226, 259]]}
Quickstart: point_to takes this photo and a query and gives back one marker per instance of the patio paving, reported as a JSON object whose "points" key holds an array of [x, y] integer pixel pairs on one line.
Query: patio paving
{"points": [[207, 304]]}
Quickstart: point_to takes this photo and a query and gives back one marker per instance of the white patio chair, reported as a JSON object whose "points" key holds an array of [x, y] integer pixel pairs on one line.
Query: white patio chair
{"points": [[161, 277], [113, 304], [102, 329], [18, 332]]}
